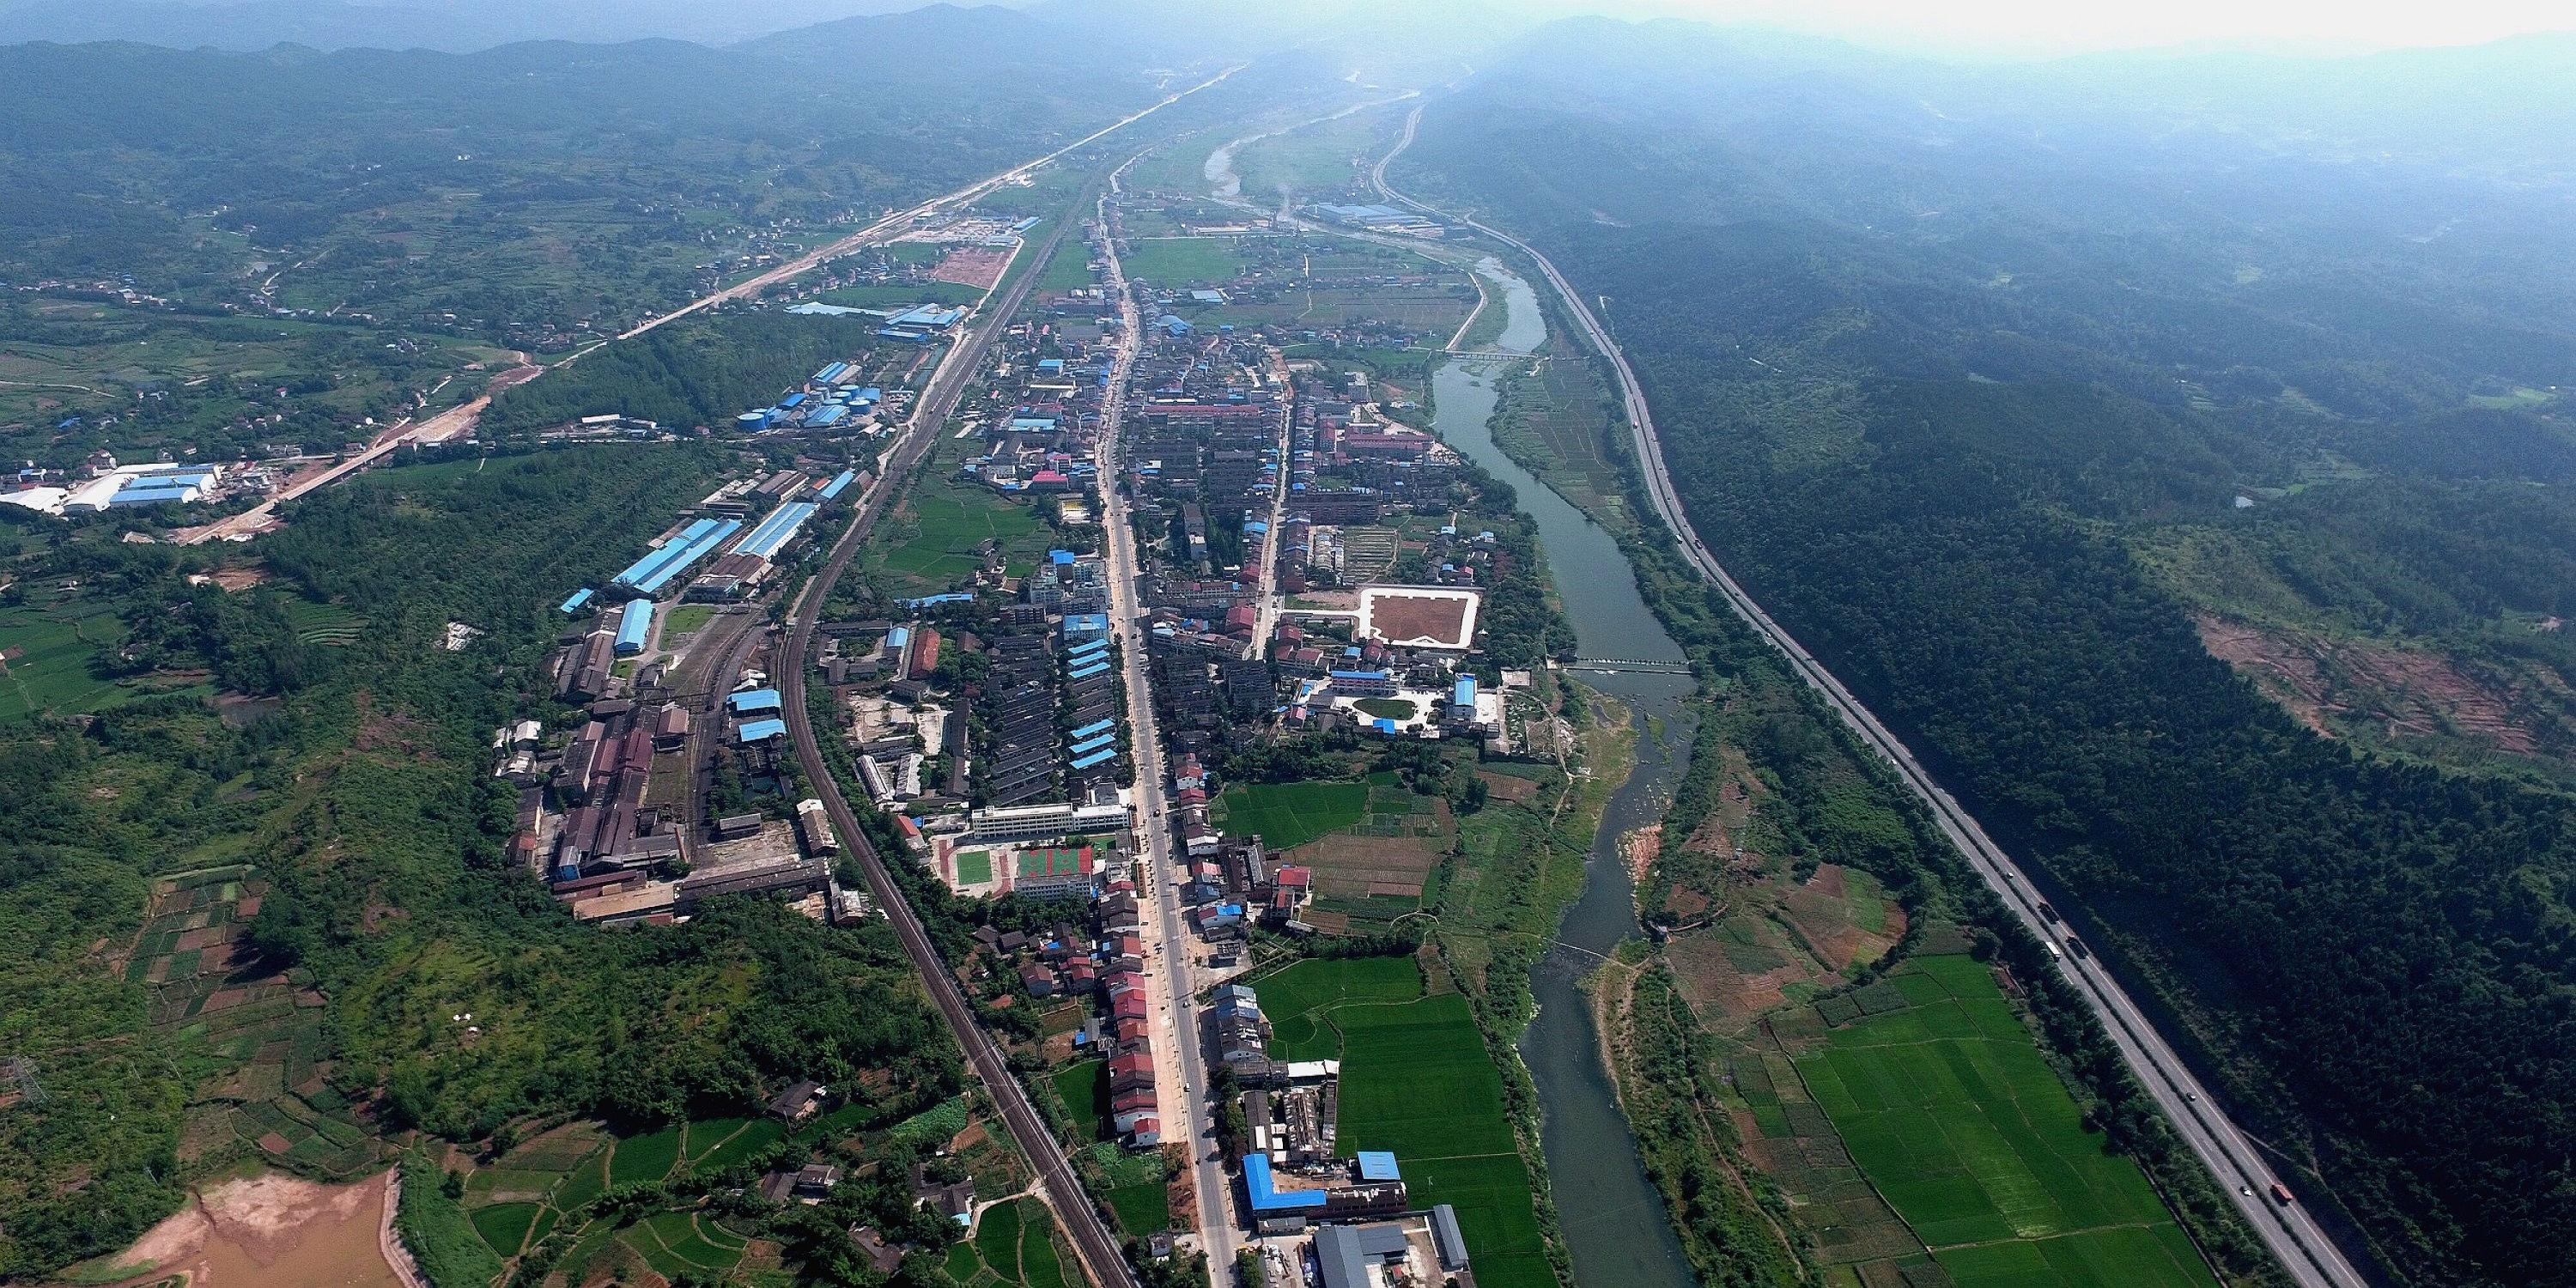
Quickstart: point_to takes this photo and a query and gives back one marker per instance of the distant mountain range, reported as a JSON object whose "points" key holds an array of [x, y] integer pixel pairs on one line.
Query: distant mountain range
{"points": [[453, 26]]}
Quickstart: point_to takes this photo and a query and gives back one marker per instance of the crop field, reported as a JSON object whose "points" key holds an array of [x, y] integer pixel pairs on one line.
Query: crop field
{"points": [[1432, 309], [1177, 261], [1553, 415], [1287, 815], [517, 1201], [1416, 1080], [1085, 1088], [930, 546], [48, 648], [1013, 1244], [1945, 1104], [1322, 158]]}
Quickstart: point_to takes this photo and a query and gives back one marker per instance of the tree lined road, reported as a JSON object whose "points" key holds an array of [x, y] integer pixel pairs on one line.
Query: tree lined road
{"points": [[2310, 1256], [1094, 1245]]}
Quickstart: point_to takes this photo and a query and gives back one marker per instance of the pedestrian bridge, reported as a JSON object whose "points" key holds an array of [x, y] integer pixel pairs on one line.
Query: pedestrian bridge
{"points": [[1616, 666]]}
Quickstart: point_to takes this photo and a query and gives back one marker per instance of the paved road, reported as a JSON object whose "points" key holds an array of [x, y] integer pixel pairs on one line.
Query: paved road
{"points": [[1179, 1047], [1094, 1245], [2305, 1250]]}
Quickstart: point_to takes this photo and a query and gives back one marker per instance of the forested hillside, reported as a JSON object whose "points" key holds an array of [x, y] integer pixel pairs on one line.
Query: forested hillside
{"points": [[340, 798], [2014, 420], [525, 188]]}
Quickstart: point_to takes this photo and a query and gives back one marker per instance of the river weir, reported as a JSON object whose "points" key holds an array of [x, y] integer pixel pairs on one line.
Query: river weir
{"points": [[1614, 1221]]}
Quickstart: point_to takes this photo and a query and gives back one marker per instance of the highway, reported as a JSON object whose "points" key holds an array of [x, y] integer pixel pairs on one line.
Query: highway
{"points": [[902, 218], [2311, 1257], [1179, 1049], [1094, 1245]]}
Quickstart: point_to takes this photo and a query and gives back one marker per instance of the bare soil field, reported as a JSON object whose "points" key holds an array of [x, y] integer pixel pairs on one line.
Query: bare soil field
{"points": [[271, 1231], [2405, 692], [976, 266], [1356, 866], [1433, 620]]}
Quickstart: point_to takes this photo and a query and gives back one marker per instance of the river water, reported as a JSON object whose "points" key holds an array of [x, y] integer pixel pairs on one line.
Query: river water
{"points": [[1614, 1221]]}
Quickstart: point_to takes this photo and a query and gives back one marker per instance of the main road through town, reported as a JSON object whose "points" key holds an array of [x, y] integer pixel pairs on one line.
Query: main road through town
{"points": [[1180, 1057], [1097, 1248], [2304, 1249]]}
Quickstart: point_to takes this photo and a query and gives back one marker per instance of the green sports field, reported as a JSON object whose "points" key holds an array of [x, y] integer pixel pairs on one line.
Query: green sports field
{"points": [[1416, 1081], [1287, 815], [1950, 1111]]}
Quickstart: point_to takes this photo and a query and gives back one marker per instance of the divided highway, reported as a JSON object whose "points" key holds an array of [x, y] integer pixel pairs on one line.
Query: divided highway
{"points": [[1093, 1243], [2310, 1256]]}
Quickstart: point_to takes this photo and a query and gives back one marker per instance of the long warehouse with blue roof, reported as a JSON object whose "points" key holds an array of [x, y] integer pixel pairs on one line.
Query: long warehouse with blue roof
{"points": [[774, 532], [648, 575]]}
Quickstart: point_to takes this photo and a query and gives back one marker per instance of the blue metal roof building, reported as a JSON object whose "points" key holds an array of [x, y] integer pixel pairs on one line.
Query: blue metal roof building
{"points": [[763, 730], [634, 626], [830, 415], [753, 700], [832, 490], [831, 373], [1092, 744], [573, 605], [1465, 694], [777, 530], [1265, 1196], [153, 495], [1095, 728], [1378, 1165], [651, 573], [668, 550], [1095, 758], [1082, 626], [1089, 669]]}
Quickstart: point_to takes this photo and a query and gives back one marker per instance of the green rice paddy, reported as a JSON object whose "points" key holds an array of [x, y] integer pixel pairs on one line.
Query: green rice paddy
{"points": [[1085, 1088], [1948, 1108], [1416, 1080], [1286, 815]]}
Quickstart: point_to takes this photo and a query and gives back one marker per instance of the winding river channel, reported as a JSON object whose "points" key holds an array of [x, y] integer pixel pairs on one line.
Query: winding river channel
{"points": [[1614, 1221]]}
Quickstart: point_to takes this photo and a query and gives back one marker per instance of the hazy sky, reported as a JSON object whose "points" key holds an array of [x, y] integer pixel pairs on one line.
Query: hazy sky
{"points": [[2056, 26]]}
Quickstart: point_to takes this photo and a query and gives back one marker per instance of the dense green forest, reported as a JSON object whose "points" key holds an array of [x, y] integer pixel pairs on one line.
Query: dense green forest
{"points": [[1993, 426], [360, 806]]}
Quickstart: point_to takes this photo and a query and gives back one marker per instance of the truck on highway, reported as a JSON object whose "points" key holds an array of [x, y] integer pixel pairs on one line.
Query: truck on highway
{"points": [[2076, 946], [2280, 1194], [2046, 913], [2053, 954]]}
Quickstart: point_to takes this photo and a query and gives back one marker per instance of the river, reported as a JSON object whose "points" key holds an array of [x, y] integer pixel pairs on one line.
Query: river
{"points": [[1614, 1220]]}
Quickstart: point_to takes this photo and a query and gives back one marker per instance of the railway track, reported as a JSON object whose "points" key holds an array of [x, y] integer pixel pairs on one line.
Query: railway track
{"points": [[1098, 1250]]}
